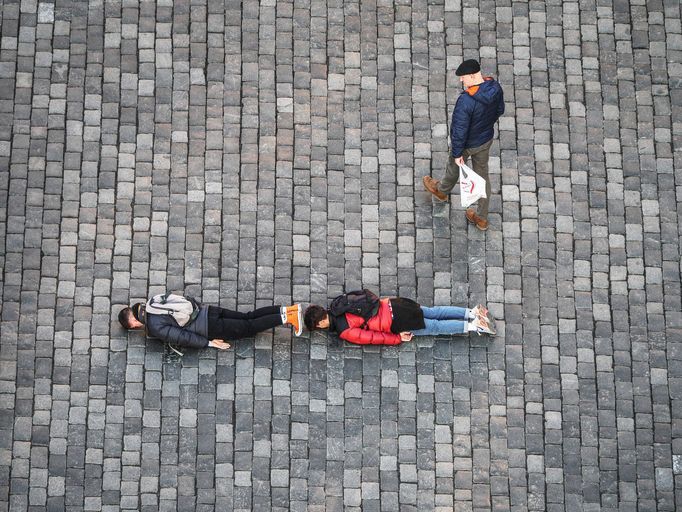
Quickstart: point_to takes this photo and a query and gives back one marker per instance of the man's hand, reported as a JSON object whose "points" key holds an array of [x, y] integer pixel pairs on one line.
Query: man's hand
{"points": [[406, 336], [459, 160], [219, 344]]}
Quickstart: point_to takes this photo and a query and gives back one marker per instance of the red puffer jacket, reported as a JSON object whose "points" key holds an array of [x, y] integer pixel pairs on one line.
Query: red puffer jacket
{"points": [[378, 331]]}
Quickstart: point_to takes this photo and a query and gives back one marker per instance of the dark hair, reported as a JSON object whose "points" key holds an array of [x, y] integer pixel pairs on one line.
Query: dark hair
{"points": [[125, 316], [313, 315]]}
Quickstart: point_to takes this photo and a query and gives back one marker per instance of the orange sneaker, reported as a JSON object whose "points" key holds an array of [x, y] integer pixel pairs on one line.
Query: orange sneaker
{"points": [[295, 318]]}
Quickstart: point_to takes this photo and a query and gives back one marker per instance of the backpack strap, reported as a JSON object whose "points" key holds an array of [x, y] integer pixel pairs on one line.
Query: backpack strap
{"points": [[374, 312], [159, 308], [196, 308], [156, 308], [338, 324]]}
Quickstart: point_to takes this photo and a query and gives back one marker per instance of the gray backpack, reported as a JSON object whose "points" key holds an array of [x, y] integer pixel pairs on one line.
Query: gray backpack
{"points": [[183, 309]]}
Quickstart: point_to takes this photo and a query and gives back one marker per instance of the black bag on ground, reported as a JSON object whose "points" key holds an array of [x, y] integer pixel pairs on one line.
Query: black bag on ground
{"points": [[362, 303]]}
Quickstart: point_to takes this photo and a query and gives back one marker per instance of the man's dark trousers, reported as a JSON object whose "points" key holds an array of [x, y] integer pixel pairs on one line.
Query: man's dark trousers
{"points": [[479, 158], [226, 324]]}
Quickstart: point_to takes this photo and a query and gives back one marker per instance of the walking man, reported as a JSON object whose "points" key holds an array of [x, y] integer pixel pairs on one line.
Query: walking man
{"points": [[183, 321], [471, 132], [390, 321]]}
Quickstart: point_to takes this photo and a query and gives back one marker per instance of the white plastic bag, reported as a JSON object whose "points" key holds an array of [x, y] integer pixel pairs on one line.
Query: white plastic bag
{"points": [[471, 186]]}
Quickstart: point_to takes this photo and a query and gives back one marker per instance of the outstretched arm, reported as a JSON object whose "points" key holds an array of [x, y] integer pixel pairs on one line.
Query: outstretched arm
{"points": [[219, 344]]}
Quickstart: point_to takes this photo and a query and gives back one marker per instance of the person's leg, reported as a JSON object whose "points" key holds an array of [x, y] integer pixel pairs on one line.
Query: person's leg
{"points": [[442, 327], [256, 313], [451, 176], [235, 328], [479, 162], [265, 322], [259, 320], [228, 313], [447, 313], [265, 311]]}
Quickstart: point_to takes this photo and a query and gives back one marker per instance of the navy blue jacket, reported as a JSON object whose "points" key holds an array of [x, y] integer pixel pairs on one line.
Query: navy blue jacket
{"points": [[165, 328], [475, 114]]}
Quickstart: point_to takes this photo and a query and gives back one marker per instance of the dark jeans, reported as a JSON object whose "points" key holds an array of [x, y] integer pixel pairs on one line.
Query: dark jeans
{"points": [[479, 160], [228, 325]]}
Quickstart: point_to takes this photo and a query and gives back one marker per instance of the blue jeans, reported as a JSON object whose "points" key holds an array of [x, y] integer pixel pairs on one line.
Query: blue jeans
{"points": [[443, 320]]}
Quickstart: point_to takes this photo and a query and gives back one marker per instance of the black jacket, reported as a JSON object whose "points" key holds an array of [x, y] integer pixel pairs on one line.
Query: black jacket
{"points": [[165, 328], [475, 114]]}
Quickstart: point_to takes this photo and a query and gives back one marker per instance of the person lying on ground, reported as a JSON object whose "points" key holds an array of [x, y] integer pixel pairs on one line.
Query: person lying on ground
{"points": [[181, 320], [363, 318]]}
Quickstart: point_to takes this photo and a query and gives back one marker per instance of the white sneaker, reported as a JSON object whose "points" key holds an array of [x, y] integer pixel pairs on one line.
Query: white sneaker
{"points": [[481, 311], [483, 326]]}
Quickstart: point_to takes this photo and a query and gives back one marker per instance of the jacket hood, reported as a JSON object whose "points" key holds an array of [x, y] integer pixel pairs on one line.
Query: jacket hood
{"points": [[488, 92]]}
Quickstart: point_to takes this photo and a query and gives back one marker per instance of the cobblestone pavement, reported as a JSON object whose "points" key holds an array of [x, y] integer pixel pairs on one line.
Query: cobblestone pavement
{"points": [[257, 152]]}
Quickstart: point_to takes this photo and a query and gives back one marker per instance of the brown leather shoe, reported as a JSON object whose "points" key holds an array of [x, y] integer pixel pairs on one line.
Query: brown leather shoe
{"points": [[432, 186], [480, 223]]}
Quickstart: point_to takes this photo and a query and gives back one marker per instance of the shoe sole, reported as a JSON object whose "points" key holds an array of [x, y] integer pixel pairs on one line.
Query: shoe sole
{"points": [[481, 310], [476, 224], [491, 322], [490, 330], [299, 315]]}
